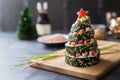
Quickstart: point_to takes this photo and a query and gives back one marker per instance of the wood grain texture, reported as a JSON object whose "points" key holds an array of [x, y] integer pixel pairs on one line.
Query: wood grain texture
{"points": [[107, 63]]}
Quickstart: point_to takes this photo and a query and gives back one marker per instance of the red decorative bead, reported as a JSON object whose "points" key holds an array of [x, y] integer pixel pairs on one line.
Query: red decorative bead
{"points": [[73, 43], [81, 31], [87, 41], [78, 55], [78, 21], [92, 52], [80, 42], [81, 13]]}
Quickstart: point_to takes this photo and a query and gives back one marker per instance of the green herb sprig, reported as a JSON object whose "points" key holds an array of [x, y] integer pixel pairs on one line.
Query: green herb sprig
{"points": [[41, 58]]}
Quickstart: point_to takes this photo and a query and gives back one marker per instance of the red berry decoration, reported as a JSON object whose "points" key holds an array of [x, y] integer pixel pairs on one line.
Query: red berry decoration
{"points": [[80, 42], [78, 21], [81, 13], [81, 31], [78, 55], [73, 43], [87, 41], [92, 52]]}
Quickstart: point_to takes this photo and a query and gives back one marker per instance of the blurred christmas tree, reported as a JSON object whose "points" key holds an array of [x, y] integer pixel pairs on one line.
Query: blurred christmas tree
{"points": [[26, 29]]}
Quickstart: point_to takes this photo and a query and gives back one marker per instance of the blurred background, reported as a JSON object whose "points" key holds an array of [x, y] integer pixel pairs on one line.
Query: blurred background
{"points": [[62, 13]]}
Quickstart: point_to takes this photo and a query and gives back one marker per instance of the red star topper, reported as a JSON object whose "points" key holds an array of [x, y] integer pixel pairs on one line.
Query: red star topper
{"points": [[81, 13]]}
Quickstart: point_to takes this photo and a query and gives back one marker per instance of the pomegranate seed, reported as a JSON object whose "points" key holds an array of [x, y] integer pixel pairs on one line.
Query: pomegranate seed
{"points": [[81, 31], [80, 42], [78, 21], [87, 41], [73, 43], [78, 55], [92, 52]]}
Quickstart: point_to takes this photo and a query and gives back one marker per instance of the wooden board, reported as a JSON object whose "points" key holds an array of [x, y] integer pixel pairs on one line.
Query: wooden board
{"points": [[107, 63]]}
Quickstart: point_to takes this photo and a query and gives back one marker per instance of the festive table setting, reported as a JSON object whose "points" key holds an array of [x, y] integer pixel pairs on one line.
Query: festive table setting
{"points": [[85, 52], [81, 53], [81, 56]]}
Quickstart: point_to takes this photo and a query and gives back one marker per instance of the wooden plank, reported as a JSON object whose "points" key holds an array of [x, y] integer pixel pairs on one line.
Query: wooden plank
{"points": [[107, 63]]}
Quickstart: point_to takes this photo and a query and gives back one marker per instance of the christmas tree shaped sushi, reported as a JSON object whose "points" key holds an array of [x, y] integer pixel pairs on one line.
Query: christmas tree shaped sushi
{"points": [[82, 49]]}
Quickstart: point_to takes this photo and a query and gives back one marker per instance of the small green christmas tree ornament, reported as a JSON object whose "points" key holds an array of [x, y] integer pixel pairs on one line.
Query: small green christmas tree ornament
{"points": [[26, 29]]}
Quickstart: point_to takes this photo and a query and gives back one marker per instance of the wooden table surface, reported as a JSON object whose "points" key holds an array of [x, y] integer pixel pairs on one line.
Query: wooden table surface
{"points": [[12, 51]]}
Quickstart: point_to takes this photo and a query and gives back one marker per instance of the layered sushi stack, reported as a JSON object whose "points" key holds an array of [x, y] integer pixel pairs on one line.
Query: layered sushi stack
{"points": [[82, 49]]}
